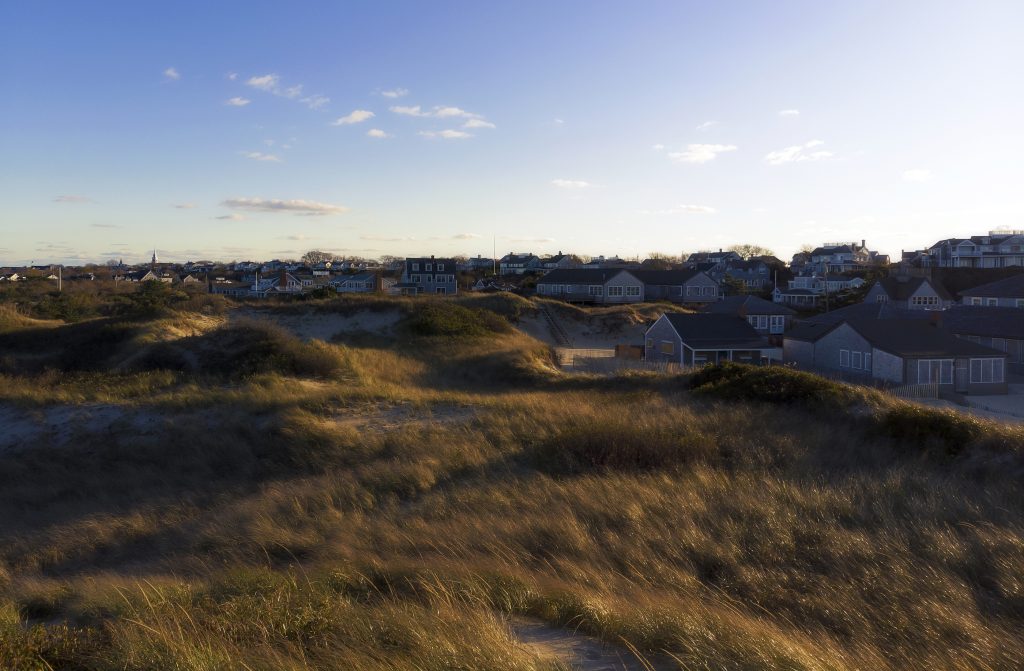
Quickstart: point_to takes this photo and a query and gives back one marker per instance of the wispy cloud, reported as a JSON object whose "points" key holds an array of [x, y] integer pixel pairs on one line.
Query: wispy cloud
{"points": [[478, 123], [438, 112], [273, 205], [700, 153], [73, 199], [789, 112], [234, 216], [232, 76], [917, 175], [271, 83], [356, 116], [172, 74], [798, 154], [395, 93], [465, 236], [707, 125], [104, 226], [571, 184], [260, 156], [237, 101], [658, 147], [683, 209], [184, 206], [377, 133], [445, 134]]}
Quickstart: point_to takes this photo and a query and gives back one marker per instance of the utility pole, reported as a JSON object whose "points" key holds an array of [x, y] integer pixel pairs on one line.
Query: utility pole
{"points": [[60, 279]]}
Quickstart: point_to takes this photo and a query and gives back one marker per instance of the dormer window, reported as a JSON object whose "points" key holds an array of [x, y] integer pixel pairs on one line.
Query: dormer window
{"points": [[415, 267], [440, 267], [429, 267]]}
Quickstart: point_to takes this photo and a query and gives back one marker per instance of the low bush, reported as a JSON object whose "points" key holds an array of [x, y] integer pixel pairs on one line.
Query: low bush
{"points": [[771, 384], [451, 320]]}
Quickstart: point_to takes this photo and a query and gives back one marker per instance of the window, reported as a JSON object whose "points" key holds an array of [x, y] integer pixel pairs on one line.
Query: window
{"points": [[935, 371], [924, 301], [440, 267], [614, 291], [975, 300], [430, 266], [650, 343], [596, 290], [708, 291], [667, 347], [867, 361], [415, 267], [999, 344], [415, 279], [1020, 302], [632, 291], [778, 324], [986, 370], [858, 360], [692, 291], [992, 302], [844, 358], [758, 321]]}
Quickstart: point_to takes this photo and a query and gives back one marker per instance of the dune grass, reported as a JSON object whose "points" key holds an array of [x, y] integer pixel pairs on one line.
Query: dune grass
{"points": [[389, 513]]}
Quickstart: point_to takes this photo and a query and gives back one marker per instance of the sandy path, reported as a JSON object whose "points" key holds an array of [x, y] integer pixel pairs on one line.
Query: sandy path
{"points": [[579, 651]]}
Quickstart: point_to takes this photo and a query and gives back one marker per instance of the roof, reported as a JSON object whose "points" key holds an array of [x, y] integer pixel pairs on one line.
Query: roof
{"points": [[916, 338], [901, 289], [1011, 287], [714, 330], [749, 305], [580, 275], [825, 251], [868, 311], [665, 277], [984, 321], [797, 292]]}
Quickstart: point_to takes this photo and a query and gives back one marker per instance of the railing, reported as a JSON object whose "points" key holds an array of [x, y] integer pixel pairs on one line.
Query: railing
{"points": [[927, 390], [561, 337]]}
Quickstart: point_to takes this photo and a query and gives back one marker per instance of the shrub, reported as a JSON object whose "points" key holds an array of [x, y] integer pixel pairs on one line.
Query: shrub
{"points": [[927, 428], [253, 347], [447, 319], [772, 384]]}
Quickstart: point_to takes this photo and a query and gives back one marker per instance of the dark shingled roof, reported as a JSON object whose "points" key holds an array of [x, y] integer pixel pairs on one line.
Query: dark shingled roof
{"points": [[901, 289], [1011, 287], [749, 305], [868, 311], [664, 277], [984, 321], [713, 330], [916, 338], [581, 275]]}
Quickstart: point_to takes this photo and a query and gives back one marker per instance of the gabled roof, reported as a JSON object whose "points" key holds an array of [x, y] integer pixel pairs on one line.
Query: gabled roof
{"points": [[984, 321], [665, 277], [916, 338], [1011, 287], [868, 311], [699, 331], [826, 251], [902, 288], [749, 305], [581, 275]]}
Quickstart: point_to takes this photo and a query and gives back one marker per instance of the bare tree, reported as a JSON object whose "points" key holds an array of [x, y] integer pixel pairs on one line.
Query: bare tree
{"points": [[315, 256], [748, 251]]}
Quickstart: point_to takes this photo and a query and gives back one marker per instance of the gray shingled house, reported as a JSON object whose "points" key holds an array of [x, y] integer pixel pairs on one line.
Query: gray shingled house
{"points": [[897, 351], [592, 285], [767, 318], [911, 293], [696, 339], [1007, 293]]}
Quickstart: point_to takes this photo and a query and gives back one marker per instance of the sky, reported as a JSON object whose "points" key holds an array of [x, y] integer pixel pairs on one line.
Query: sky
{"points": [[262, 130]]}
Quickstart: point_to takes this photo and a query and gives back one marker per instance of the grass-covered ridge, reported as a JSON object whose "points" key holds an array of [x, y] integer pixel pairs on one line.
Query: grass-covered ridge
{"points": [[214, 492]]}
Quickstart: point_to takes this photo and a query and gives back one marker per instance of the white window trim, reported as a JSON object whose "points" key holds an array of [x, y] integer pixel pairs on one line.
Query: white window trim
{"points": [[844, 356]]}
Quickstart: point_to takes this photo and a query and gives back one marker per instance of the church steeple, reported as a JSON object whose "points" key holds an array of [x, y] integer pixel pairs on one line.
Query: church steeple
{"points": [[152, 263]]}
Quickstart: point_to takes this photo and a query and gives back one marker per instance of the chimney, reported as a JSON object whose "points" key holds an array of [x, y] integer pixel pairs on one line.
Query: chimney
{"points": [[863, 244]]}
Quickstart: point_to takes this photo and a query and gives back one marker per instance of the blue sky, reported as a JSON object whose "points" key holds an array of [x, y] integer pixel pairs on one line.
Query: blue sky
{"points": [[264, 129]]}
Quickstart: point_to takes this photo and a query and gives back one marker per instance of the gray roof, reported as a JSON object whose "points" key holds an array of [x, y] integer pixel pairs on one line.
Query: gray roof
{"points": [[714, 330], [580, 275], [916, 338], [665, 277], [902, 288], [984, 321], [1011, 287], [749, 305], [868, 311]]}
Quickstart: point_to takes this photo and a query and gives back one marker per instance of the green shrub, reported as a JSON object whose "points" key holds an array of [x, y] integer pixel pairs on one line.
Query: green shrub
{"points": [[771, 384], [927, 428]]}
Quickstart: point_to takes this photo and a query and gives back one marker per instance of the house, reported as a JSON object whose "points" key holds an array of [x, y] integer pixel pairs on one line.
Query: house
{"points": [[517, 264], [912, 293], [698, 339], [998, 249], [799, 298], [428, 276], [999, 328], [190, 280], [1007, 293], [678, 286], [478, 263], [767, 318], [231, 288], [843, 257], [711, 257], [897, 352], [361, 283], [592, 285], [559, 260], [755, 274]]}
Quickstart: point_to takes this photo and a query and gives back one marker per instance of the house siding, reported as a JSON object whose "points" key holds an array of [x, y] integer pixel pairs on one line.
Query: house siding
{"points": [[887, 367], [660, 332], [798, 352], [827, 351]]}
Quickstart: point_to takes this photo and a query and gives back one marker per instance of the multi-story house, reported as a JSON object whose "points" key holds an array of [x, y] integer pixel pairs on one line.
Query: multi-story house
{"points": [[909, 293], [721, 256], [844, 257], [428, 276], [518, 264], [998, 249]]}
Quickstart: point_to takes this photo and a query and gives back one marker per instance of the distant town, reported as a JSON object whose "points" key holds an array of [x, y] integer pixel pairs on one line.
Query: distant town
{"points": [[945, 319]]}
